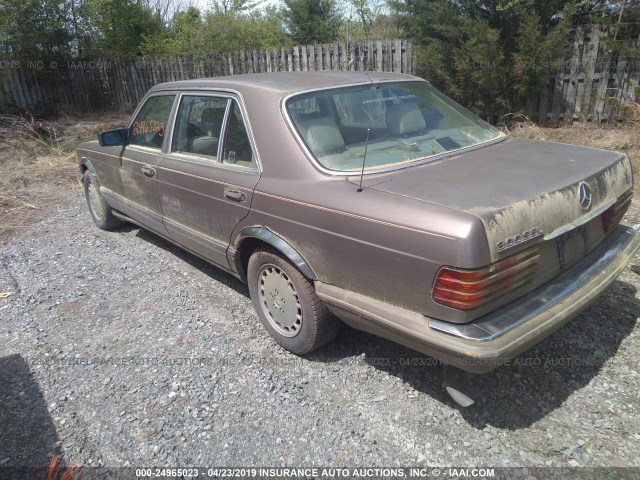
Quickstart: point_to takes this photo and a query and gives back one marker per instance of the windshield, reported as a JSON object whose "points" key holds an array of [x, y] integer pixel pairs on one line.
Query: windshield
{"points": [[404, 122]]}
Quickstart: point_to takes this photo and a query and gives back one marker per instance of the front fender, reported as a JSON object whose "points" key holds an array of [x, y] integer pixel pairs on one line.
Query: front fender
{"points": [[85, 164], [267, 236]]}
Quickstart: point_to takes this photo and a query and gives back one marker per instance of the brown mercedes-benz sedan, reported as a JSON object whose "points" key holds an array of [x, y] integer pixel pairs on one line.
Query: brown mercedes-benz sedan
{"points": [[374, 197]]}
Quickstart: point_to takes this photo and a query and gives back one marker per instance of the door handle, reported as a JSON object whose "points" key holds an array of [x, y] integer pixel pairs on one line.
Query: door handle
{"points": [[148, 171], [235, 195]]}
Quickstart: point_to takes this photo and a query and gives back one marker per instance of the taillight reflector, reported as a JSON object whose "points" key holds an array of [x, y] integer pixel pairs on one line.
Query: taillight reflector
{"points": [[468, 289]]}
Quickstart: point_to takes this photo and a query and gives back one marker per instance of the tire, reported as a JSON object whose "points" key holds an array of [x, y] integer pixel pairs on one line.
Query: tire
{"points": [[98, 208], [287, 303]]}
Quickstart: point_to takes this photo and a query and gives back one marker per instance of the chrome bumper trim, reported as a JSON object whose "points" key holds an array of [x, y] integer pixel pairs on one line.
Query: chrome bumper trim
{"points": [[558, 289]]}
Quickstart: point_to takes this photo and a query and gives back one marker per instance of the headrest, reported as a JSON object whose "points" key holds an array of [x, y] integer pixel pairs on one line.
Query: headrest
{"points": [[205, 146], [321, 134], [405, 118]]}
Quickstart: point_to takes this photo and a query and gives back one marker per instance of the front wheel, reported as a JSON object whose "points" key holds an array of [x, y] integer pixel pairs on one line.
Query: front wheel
{"points": [[98, 207], [287, 303]]}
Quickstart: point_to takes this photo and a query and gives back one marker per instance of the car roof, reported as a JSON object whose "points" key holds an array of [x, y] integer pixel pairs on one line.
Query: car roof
{"points": [[284, 82]]}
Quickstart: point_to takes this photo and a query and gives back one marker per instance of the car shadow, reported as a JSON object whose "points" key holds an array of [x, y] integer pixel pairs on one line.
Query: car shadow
{"points": [[205, 267], [527, 388], [28, 437], [512, 396]]}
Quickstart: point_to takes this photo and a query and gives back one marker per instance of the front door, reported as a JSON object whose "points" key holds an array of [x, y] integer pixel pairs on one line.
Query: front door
{"points": [[135, 188], [206, 180]]}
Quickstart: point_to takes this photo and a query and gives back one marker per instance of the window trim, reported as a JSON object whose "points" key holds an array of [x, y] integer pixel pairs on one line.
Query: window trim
{"points": [[230, 95]]}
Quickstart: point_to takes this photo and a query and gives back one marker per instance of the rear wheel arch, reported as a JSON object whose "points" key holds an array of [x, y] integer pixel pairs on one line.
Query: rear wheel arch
{"points": [[249, 239]]}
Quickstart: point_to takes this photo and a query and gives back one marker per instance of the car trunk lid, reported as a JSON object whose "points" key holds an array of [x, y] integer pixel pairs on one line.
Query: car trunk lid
{"points": [[523, 191]]}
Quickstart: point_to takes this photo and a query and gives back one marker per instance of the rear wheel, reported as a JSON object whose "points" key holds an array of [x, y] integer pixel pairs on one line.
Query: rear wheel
{"points": [[98, 207], [287, 303]]}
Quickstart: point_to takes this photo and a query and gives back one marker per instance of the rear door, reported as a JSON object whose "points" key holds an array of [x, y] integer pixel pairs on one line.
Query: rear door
{"points": [[206, 179]]}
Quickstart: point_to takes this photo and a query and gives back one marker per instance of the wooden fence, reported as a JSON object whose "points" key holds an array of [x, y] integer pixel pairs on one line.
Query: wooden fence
{"points": [[121, 83], [597, 83], [593, 84]]}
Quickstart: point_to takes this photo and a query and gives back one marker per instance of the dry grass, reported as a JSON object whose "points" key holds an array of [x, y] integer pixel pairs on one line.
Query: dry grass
{"points": [[38, 162]]}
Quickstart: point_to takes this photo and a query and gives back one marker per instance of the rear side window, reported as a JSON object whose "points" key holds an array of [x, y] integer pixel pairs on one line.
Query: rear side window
{"points": [[237, 147], [150, 124], [199, 125]]}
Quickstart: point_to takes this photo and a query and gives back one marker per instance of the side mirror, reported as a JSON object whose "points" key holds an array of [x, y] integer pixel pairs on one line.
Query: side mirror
{"points": [[111, 138]]}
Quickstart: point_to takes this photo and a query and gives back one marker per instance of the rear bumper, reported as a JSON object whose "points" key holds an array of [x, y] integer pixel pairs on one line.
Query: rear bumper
{"points": [[492, 340]]}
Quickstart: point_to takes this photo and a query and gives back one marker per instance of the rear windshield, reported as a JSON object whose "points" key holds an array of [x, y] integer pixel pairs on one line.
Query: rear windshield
{"points": [[403, 121]]}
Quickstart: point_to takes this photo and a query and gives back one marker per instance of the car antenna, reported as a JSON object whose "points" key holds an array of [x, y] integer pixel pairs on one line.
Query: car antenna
{"points": [[374, 86], [364, 159]]}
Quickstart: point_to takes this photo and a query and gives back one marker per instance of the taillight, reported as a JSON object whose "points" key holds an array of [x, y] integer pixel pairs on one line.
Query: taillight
{"points": [[612, 216], [467, 289]]}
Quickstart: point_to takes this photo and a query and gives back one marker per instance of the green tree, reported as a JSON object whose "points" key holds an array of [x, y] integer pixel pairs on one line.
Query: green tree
{"points": [[34, 30], [366, 13], [235, 6], [238, 31], [481, 74], [117, 27], [218, 32], [490, 54], [450, 48], [629, 21], [538, 54], [367, 20], [183, 35], [311, 21], [382, 26]]}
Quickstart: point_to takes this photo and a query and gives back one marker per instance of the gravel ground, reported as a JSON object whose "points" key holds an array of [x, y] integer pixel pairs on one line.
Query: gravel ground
{"points": [[120, 349]]}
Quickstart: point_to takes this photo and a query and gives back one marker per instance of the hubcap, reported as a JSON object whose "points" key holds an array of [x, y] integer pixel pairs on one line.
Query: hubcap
{"points": [[94, 200], [279, 300]]}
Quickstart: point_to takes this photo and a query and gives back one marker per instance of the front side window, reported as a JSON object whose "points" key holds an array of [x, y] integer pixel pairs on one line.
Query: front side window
{"points": [[199, 125], [150, 124], [395, 123]]}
